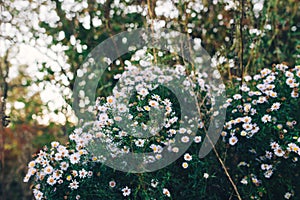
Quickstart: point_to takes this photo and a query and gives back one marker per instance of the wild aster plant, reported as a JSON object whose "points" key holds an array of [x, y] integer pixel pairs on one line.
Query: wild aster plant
{"points": [[64, 170], [263, 129]]}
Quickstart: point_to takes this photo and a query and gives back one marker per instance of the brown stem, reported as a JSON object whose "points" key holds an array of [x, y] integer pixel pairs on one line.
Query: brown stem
{"points": [[218, 156], [242, 43], [225, 169], [151, 26]]}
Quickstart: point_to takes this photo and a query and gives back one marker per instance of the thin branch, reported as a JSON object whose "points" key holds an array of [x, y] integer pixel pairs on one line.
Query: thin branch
{"points": [[218, 155], [241, 53], [152, 27], [225, 169], [242, 42]]}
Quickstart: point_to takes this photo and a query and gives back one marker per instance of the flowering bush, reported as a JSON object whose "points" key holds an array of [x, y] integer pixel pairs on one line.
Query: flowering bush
{"points": [[258, 32], [263, 131], [260, 145], [77, 170]]}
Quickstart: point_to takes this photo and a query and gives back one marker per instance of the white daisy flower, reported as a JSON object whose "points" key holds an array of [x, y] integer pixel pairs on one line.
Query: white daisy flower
{"points": [[270, 79], [64, 165], [51, 180], [265, 166], [156, 148], [289, 74], [156, 97], [75, 158], [48, 169], [58, 157], [261, 87], [74, 173], [57, 174], [182, 130], [187, 157], [265, 72], [293, 147], [260, 100], [103, 117], [54, 144], [139, 142], [26, 178], [247, 78], [102, 108], [147, 108], [143, 92], [122, 108], [110, 100], [166, 192], [158, 156], [247, 119], [268, 173], [274, 145], [294, 94], [278, 152], [185, 139], [243, 133], [175, 149], [257, 77], [244, 181], [154, 183], [118, 118], [266, 118], [172, 131], [269, 154], [74, 185], [237, 96], [272, 94], [73, 136], [245, 88], [270, 86], [90, 173], [31, 164], [197, 139], [247, 126], [126, 191], [38, 195], [233, 140], [275, 106], [288, 195], [206, 175], [153, 103], [82, 173], [238, 120], [112, 184], [223, 133]]}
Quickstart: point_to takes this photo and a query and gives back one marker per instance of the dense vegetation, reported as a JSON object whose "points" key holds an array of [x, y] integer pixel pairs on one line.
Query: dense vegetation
{"points": [[254, 44]]}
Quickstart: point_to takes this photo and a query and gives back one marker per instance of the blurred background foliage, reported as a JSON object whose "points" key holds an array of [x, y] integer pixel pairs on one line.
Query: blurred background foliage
{"points": [[236, 33]]}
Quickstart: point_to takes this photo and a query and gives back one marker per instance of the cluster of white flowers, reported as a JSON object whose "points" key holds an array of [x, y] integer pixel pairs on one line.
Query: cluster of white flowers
{"points": [[266, 95], [53, 166], [262, 106], [257, 108], [120, 121]]}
